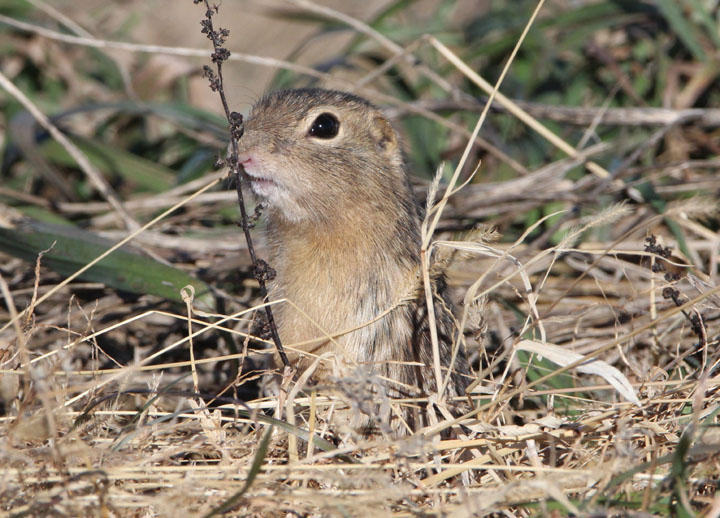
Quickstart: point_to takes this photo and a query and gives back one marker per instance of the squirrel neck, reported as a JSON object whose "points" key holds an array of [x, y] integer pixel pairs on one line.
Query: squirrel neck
{"points": [[344, 270], [358, 238]]}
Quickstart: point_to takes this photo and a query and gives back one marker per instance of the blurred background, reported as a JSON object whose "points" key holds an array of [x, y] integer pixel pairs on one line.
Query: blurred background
{"points": [[580, 54]]}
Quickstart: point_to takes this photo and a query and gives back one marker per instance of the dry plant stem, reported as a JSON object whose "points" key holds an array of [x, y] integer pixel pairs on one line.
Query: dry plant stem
{"points": [[219, 55], [702, 117], [290, 405], [206, 326], [260, 276], [402, 106], [92, 174], [118, 373], [62, 18], [471, 295], [356, 24], [154, 49], [22, 346], [165, 199], [592, 265], [513, 108], [188, 294], [591, 128], [428, 231], [595, 355], [217, 325], [383, 40]]}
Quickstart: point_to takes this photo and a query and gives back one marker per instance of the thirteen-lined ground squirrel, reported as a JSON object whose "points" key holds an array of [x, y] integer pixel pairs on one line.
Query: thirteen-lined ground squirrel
{"points": [[344, 235]]}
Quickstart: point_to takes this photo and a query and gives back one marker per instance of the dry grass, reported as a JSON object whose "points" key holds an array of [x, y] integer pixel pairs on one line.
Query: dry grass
{"points": [[120, 405]]}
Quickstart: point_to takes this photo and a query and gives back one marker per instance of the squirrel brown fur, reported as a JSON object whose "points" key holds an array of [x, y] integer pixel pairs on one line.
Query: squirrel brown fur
{"points": [[344, 239]]}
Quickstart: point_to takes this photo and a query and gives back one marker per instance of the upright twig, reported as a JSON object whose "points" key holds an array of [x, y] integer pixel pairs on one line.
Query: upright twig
{"points": [[261, 270]]}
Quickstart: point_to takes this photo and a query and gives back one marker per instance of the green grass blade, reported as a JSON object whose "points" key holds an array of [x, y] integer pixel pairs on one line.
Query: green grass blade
{"points": [[72, 248], [111, 160], [672, 12], [254, 470]]}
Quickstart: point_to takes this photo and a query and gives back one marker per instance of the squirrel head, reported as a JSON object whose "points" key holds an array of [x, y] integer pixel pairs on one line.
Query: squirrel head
{"points": [[311, 152]]}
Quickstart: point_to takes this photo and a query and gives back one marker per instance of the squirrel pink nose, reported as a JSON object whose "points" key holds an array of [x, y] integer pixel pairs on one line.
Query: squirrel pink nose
{"points": [[245, 159]]}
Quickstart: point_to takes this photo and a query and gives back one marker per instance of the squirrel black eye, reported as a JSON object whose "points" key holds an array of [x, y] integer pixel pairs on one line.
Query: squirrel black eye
{"points": [[325, 126]]}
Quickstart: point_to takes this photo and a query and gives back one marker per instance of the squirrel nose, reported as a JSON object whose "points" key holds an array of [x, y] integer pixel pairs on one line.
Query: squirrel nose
{"points": [[245, 159]]}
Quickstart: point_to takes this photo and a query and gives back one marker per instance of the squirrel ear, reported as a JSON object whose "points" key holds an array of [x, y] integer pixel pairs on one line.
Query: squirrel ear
{"points": [[384, 135]]}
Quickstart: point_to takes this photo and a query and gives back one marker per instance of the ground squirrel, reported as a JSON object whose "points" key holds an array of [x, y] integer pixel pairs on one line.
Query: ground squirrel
{"points": [[344, 237]]}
